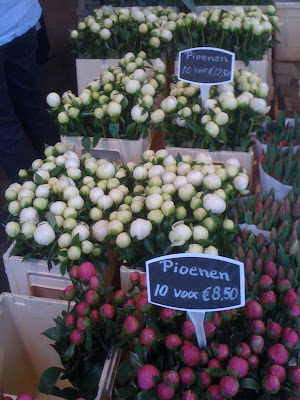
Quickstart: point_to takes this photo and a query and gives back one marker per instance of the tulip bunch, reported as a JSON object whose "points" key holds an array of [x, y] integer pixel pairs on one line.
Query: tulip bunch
{"points": [[230, 115], [111, 33], [83, 334], [248, 350], [247, 33], [115, 106], [280, 261], [265, 212], [280, 132], [284, 166]]}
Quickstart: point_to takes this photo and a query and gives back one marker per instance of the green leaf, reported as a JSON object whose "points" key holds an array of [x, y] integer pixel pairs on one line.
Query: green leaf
{"points": [[218, 372], [135, 360], [70, 352], [86, 143], [178, 158], [96, 139], [149, 246], [52, 334], [38, 179], [49, 379], [195, 127], [124, 372], [250, 383], [51, 219], [76, 240], [88, 341], [55, 171], [114, 129]]}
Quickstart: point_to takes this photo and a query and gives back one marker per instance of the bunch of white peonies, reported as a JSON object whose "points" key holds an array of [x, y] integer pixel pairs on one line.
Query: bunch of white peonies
{"points": [[118, 105], [69, 209], [246, 32], [108, 31], [227, 119]]}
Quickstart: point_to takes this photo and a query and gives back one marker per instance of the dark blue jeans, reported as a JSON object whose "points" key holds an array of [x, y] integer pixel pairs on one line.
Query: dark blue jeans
{"points": [[25, 125]]}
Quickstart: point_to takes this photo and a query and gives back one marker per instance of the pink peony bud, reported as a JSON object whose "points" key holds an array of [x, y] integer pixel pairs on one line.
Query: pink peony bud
{"points": [[145, 376], [253, 361], [271, 384], [172, 342], [278, 354], [258, 327], [164, 392], [238, 367], [213, 393], [243, 350], [188, 329], [86, 271], [257, 344], [254, 310], [274, 330], [70, 321], [190, 354], [187, 376], [147, 337], [131, 325], [229, 386], [289, 338], [167, 315], [83, 308], [171, 378], [189, 395], [277, 370], [134, 278]]}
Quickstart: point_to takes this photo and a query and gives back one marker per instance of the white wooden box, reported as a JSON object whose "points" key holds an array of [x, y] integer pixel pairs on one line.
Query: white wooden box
{"points": [[88, 70], [119, 150], [219, 157], [33, 278], [25, 353]]}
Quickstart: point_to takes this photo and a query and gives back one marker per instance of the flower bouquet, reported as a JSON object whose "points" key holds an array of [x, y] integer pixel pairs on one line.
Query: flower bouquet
{"points": [[284, 132], [111, 33], [247, 33], [279, 169], [263, 213], [249, 350], [117, 106]]}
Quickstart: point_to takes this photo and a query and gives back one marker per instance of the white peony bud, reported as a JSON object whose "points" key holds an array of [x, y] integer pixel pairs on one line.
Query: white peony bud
{"points": [[180, 181], [186, 192], [140, 229], [105, 34], [64, 240], [195, 178], [106, 171], [70, 212], [259, 106], [29, 215], [14, 208], [53, 100], [77, 202], [132, 86], [183, 169], [154, 201], [12, 229], [100, 230], [180, 234], [44, 234], [137, 114], [211, 250], [40, 204], [82, 230], [195, 248], [123, 240], [240, 182], [212, 182], [41, 176], [28, 229], [158, 66], [169, 104], [105, 202], [214, 203], [156, 170], [95, 195], [140, 173], [200, 233]]}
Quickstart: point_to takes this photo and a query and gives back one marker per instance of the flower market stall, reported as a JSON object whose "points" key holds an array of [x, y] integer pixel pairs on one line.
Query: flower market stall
{"points": [[163, 268]]}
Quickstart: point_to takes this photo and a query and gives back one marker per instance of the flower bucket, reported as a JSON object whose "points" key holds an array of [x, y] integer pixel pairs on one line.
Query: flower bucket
{"points": [[119, 150], [267, 183], [219, 157], [33, 278], [26, 353], [88, 70]]}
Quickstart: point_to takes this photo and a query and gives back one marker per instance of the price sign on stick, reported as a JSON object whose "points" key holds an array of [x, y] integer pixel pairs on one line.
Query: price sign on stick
{"points": [[196, 283], [206, 66]]}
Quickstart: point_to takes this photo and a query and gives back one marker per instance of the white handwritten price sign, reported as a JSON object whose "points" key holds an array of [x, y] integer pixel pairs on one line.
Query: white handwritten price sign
{"points": [[206, 66], [196, 283]]}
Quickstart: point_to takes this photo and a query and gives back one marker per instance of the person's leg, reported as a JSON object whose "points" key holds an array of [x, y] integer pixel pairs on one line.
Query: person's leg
{"points": [[16, 151], [23, 88]]}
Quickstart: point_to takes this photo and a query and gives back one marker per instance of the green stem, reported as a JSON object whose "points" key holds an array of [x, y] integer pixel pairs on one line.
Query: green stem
{"points": [[103, 130], [222, 38], [246, 41], [203, 35], [191, 39]]}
